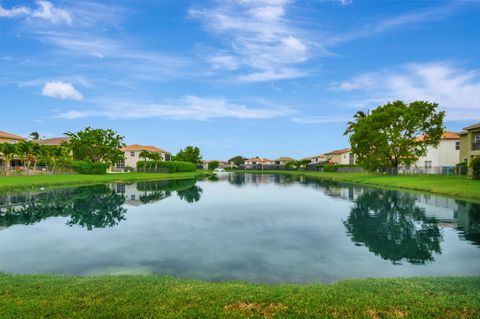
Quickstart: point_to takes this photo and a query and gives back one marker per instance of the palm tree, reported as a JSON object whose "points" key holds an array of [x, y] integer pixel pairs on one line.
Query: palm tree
{"points": [[27, 153], [34, 136], [351, 125], [144, 154], [156, 157], [9, 151]]}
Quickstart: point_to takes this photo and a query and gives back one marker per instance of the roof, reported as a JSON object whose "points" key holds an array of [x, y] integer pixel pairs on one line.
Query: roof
{"points": [[447, 135], [53, 140], [285, 158], [336, 152], [11, 136], [471, 127], [317, 156], [258, 159], [138, 147]]}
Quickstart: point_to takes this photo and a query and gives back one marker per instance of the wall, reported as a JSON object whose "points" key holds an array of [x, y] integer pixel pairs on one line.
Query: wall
{"points": [[443, 155]]}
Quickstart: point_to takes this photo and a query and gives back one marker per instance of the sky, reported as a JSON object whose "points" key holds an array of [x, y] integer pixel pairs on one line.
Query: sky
{"points": [[264, 78]]}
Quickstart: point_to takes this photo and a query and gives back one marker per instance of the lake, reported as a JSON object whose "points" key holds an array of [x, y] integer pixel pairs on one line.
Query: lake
{"points": [[256, 228]]}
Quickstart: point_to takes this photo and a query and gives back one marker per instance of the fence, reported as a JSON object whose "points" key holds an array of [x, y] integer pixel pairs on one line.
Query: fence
{"points": [[434, 170]]}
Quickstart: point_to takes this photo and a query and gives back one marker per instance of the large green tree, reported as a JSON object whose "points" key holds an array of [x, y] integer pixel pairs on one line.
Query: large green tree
{"points": [[388, 137], [237, 160], [189, 154], [96, 145]]}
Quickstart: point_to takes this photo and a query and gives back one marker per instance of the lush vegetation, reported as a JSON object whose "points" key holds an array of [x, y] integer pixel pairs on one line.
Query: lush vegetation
{"points": [[189, 154], [96, 145], [395, 134], [37, 181], [42, 296], [455, 186], [475, 165], [85, 167], [170, 166], [237, 160], [213, 165]]}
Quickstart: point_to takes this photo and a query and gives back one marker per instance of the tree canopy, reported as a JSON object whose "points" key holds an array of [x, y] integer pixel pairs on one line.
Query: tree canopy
{"points": [[96, 145], [395, 134], [237, 160], [189, 154]]}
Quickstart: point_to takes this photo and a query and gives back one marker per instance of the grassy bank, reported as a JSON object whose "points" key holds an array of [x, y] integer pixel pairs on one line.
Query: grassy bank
{"points": [[455, 186], [41, 296], [33, 182]]}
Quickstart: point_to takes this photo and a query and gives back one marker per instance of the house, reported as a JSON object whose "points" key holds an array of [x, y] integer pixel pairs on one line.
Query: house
{"points": [[446, 154], [318, 159], [283, 160], [258, 163], [221, 164], [469, 143], [132, 155], [55, 141], [343, 156], [10, 138]]}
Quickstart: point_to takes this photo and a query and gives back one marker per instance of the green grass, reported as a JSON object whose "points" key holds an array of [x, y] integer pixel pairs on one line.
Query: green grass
{"points": [[45, 296], [48, 181], [454, 186]]}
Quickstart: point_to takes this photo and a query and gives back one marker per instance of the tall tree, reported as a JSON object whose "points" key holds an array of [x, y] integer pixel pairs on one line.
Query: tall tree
{"points": [[237, 160], [189, 154], [156, 157], [389, 136], [9, 151], [34, 136], [96, 145]]}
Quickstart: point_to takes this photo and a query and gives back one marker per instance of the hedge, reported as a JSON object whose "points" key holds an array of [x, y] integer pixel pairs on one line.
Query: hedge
{"points": [[172, 166], [85, 167], [475, 165], [334, 167]]}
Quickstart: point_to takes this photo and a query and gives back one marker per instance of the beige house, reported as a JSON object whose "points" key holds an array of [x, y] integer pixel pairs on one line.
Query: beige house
{"points": [[283, 160], [343, 156], [132, 155], [259, 161], [10, 138], [447, 153], [469, 143], [317, 159]]}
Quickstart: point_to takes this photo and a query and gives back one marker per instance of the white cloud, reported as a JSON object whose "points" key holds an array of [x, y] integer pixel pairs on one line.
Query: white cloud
{"points": [[224, 62], [261, 38], [344, 2], [14, 12], [187, 108], [61, 90], [456, 90], [45, 11], [322, 119]]}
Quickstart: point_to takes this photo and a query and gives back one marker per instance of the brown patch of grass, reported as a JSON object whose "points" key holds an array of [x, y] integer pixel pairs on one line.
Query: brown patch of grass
{"points": [[463, 313], [267, 310], [373, 314]]}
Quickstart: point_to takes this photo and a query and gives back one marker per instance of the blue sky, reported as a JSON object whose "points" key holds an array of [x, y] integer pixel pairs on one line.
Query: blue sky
{"points": [[257, 78]]}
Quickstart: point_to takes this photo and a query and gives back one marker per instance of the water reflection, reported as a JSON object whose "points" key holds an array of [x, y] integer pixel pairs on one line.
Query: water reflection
{"points": [[393, 227], [468, 218], [97, 206]]}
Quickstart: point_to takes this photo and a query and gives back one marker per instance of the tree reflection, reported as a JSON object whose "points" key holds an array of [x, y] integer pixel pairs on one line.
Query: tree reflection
{"points": [[96, 207], [191, 195], [391, 225], [156, 190]]}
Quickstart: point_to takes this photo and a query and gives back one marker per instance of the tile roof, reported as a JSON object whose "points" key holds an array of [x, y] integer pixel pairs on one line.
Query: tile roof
{"points": [[472, 126], [447, 135], [138, 147], [336, 152], [53, 140], [285, 158], [11, 136]]}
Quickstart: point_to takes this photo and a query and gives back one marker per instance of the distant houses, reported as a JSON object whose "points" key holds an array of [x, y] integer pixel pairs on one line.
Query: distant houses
{"points": [[10, 138]]}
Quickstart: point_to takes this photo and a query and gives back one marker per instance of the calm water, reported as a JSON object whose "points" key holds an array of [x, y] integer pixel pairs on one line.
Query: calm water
{"points": [[260, 228]]}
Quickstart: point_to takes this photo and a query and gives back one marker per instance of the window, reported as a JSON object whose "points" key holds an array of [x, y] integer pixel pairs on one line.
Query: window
{"points": [[457, 145], [132, 154], [121, 165], [428, 164], [476, 139], [132, 197]]}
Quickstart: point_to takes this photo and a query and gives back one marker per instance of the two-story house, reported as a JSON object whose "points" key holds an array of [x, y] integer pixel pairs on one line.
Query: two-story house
{"points": [[470, 143], [446, 154], [132, 155]]}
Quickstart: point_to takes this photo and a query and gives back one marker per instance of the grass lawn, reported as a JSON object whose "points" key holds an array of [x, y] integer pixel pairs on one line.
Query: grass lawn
{"points": [[25, 182], [455, 186], [44, 296]]}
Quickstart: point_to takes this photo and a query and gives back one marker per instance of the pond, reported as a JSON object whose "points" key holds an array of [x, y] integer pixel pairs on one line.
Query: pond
{"points": [[257, 228]]}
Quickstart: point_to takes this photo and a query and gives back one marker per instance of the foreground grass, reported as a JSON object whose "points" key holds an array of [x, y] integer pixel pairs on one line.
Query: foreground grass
{"points": [[33, 182], [455, 186], [44, 296]]}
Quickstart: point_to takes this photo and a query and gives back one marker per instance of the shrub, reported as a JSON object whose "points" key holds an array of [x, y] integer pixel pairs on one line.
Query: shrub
{"points": [[330, 167], [213, 165], [128, 169], [461, 164], [475, 165], [85, 167], [171, 166]]}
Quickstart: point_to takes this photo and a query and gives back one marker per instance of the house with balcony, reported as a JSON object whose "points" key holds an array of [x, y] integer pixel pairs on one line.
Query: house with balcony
{"points": [[470, 143], [132, 155]]}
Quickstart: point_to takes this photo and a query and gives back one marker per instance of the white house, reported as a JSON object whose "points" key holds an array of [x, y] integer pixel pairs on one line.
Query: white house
{"points": [[343, 156], [447, 153]]}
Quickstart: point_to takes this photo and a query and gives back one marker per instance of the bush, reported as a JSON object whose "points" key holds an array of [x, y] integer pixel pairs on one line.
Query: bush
{"points": [[475, 165], [171, 166], [128, 169], [213, 165], [85, 167], [461, 164]]}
